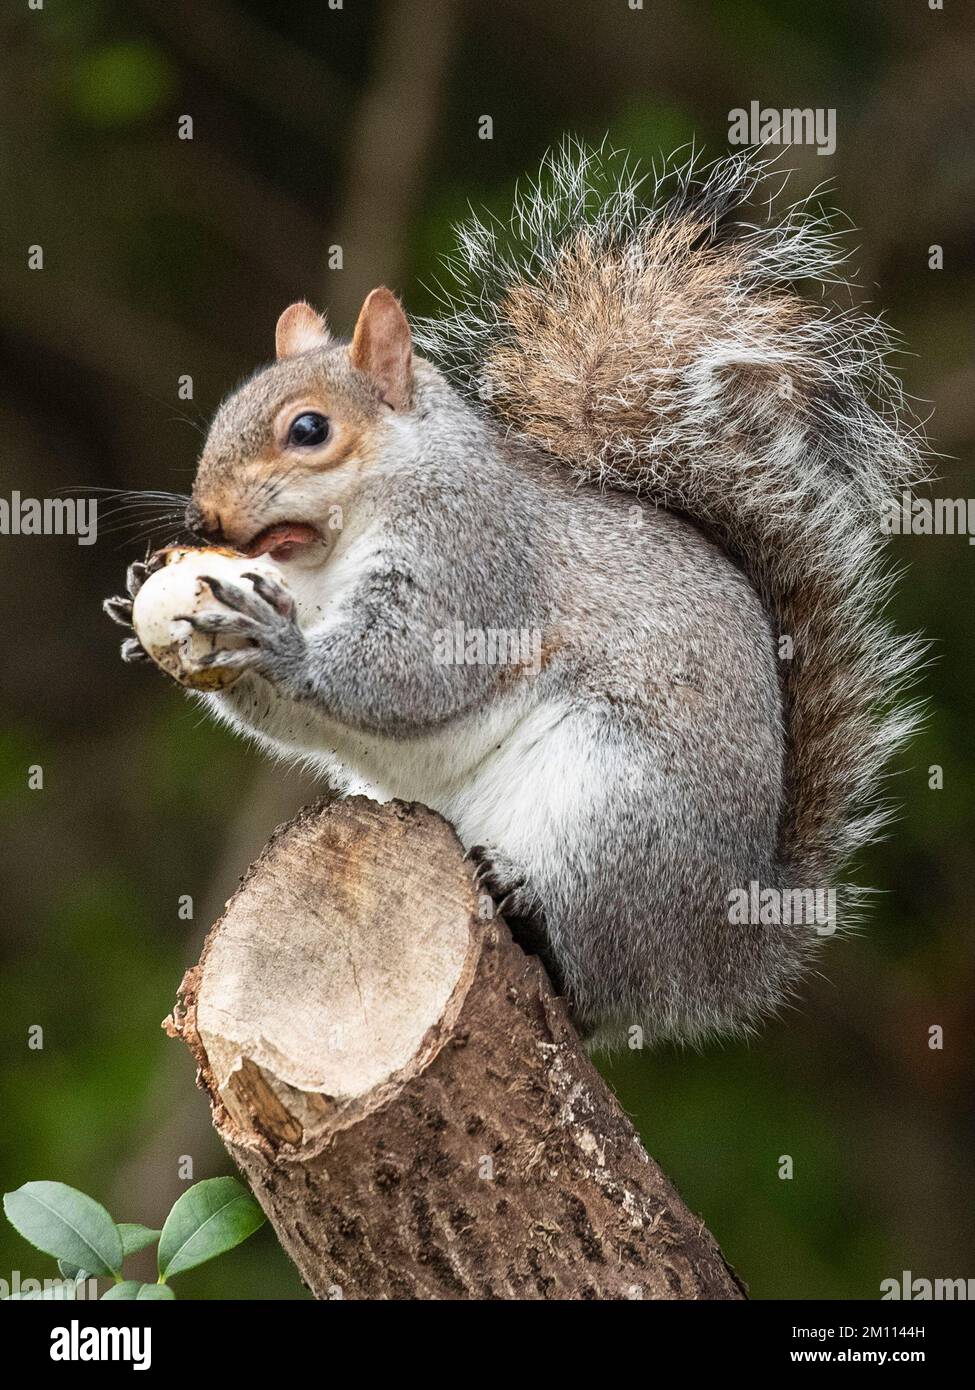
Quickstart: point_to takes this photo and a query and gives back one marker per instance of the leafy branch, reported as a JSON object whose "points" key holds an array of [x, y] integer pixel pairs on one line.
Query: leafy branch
{"points": [[209, 1219]]}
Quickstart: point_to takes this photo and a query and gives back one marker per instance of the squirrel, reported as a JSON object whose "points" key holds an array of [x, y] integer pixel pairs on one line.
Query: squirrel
{"points": [[630, 438]]}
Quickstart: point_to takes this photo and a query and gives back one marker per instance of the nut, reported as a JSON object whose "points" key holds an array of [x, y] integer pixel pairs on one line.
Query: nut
{"points": [[177, 588]]}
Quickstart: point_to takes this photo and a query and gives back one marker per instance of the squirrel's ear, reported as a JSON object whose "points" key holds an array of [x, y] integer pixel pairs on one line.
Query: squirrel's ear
{"points": [[299, 330], [383, 349]]}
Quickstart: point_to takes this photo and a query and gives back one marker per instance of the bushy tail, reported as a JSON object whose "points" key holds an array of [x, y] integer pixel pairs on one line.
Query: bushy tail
{"points": [[647, 333]]}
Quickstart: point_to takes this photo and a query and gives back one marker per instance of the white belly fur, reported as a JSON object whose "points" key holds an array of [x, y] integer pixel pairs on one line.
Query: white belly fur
{"points": [[512, 778]]}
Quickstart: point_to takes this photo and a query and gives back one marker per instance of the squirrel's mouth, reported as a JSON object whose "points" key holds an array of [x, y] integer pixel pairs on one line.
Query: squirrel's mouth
{"points": [[282, 540]]}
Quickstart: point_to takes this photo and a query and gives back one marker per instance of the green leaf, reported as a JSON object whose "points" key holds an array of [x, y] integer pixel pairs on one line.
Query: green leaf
{"points": [[132, 1291], [128, 1289], [213, 1216], [66, 1223], [153, 1291], [70, 1271], [136, 1237]]}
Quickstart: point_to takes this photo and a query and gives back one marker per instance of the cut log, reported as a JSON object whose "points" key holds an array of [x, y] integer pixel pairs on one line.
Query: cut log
{"points": [[406, 1095]]}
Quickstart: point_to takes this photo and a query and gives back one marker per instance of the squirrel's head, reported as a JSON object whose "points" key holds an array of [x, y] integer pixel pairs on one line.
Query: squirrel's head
{"points": [[289, 448]]}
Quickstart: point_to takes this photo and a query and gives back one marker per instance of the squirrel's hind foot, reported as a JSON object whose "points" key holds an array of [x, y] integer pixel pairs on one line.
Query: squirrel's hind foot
{"points": [[516, 903]]}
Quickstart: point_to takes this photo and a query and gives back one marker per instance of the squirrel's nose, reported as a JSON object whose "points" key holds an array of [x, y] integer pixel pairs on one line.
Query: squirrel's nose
{"points": [[199, 523]]}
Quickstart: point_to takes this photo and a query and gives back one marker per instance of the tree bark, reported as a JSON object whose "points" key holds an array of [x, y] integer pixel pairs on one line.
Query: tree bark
{"points": [[406, 1094]]}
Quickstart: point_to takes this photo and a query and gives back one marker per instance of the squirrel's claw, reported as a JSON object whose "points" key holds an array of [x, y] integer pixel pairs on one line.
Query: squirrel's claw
{"points": [[135, 576], [139, 571], [250, 604], [119, 610], [272, 592], [230, 658], [494, 875], [133, 650], [229, 624]]}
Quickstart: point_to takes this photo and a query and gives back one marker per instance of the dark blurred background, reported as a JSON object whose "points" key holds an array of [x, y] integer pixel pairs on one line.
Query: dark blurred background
{"points": [[315, 127]]}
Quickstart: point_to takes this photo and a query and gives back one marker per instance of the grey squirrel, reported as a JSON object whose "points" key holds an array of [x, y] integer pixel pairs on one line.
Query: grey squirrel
{"points": [[630, 439]]}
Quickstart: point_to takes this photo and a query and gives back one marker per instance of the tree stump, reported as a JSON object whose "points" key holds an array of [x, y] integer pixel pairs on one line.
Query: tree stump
{"points": [[404, 1092]]}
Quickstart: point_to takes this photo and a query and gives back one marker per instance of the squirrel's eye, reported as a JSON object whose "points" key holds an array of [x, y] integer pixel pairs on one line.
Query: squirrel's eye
{"points": [[308, 430]]}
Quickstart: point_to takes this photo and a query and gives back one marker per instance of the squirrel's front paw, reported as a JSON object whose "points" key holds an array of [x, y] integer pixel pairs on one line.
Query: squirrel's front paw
{"points": [[119, 609], [265, 617]]}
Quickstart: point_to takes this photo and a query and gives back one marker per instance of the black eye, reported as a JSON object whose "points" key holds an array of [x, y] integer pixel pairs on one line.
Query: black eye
{"points": [[308, 430]]}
